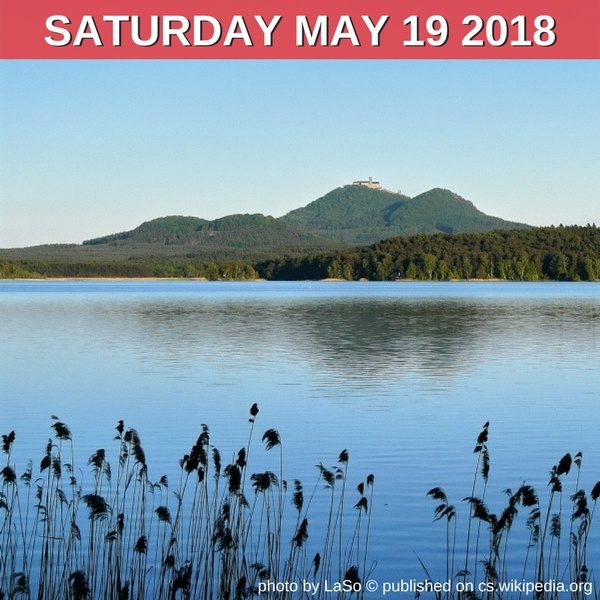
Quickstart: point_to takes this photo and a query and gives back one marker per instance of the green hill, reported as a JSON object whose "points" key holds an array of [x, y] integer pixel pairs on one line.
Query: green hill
{"points": [[234, 231], [356, 214], [347, 216], [165, 230], [347, 212]]}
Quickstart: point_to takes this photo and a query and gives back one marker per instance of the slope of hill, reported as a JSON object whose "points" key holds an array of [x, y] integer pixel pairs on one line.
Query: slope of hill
{"points": [[233, 231], [360, 215], [164, 230], [347, 209]]}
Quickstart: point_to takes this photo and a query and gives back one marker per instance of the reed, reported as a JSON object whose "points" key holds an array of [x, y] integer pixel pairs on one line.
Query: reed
{"points": [[553, 552], [223, 531], [220, 531]]}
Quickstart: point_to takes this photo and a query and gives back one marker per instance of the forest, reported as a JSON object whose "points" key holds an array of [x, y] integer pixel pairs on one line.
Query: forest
{"points": [[180, 268], [563, 253], [552, 253]]}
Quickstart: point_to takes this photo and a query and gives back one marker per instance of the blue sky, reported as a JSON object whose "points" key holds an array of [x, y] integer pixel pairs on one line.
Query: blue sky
{"points": [[93, 147]]}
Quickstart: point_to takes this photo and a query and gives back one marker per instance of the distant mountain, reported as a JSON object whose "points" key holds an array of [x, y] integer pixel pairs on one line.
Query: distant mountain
{"points": [[349, 215], [164, 230], [234, 231], [356, 214]]}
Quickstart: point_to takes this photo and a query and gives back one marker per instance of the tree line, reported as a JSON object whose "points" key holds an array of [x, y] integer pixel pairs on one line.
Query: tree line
{"points": [[136, 268], [546, 253]]}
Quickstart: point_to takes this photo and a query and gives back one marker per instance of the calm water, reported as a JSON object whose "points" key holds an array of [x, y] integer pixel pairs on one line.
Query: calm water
{"points": [[402, 375]]}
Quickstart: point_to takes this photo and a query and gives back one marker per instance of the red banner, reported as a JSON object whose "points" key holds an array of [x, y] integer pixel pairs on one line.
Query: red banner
{"points": [[386, 29]]}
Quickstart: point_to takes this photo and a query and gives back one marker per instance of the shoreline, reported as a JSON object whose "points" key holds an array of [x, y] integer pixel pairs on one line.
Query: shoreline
{"points": [[260, 280]]}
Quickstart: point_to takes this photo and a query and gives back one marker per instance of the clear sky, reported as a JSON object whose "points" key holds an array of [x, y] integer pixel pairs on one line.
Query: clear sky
{"points": [[89, 148]]}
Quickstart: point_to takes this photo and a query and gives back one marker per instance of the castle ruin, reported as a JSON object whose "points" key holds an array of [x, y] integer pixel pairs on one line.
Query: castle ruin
{"points": [[374, 185]]}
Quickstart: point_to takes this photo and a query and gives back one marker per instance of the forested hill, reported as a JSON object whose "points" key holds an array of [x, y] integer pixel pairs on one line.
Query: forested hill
{"points": [[555, 253], [349, 215], [356, 214], [352, 215], [233, 231]]}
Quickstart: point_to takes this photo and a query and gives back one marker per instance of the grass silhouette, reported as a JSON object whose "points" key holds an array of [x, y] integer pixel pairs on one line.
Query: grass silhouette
{"points": [[553, 553], [218, 532], [223, 532]]}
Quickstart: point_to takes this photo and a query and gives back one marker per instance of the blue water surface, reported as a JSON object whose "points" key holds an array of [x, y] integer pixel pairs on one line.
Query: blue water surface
{"points": [[403, 375]]}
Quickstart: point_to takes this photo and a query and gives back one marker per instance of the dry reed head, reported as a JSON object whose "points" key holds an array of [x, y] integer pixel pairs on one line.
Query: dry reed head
{"points": [[262, 482], [7, 442], [62, 431], [298, 495], [564, 465], [271, 439], [301, 534], [253, 412]]}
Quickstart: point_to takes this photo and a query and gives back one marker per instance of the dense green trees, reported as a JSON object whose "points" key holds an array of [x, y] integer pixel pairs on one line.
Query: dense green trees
{"points": [[546, 253], [180, 268], [14, 270], [227, 233], [556, 253], [358, 215]]}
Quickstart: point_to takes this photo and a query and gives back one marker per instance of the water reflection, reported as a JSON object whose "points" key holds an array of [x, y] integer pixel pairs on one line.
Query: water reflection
{"points": [[364, 340]]}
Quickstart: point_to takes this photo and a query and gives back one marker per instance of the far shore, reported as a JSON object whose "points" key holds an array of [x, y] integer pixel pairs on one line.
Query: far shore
{"points": [[259, 280]]}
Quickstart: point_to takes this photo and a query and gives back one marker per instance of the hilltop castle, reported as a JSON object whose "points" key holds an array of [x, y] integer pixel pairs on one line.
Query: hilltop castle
{"points": [[374, 185]]}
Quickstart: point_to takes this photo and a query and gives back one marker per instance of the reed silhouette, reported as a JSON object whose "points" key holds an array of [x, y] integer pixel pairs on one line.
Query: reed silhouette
{"points": [[223, 532], [219, 532], [553, 552]]}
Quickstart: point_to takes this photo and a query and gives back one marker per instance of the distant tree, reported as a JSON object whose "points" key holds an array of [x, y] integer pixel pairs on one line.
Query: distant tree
{"points": [[531, 272], [429, 264], [347, 272], [519, 266], [504, 269], [334, 271], [467, 267], [442, 270], [557, 265], [592, 269], [384, 268], [411, 271]]}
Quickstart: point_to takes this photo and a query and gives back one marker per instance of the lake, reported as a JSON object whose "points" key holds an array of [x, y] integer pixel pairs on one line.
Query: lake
{"points": [[402, 375]]}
